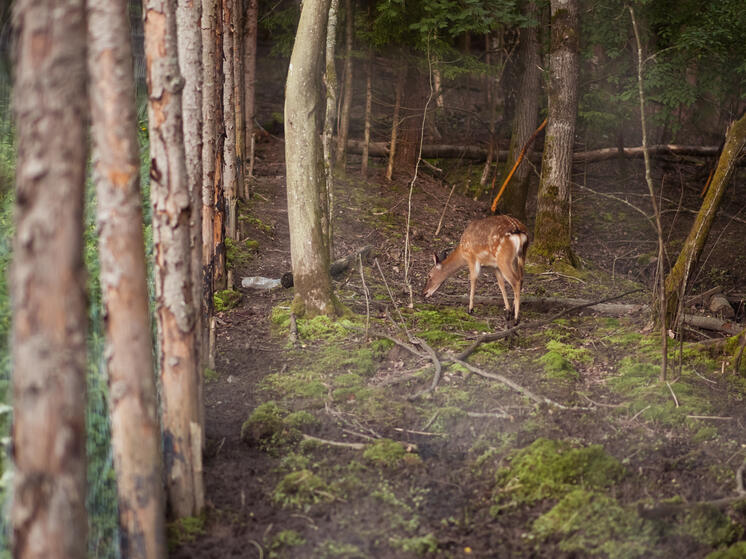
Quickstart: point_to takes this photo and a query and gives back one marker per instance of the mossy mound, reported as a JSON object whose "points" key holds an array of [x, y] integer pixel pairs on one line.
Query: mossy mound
{"points": [[226, 300], [268, 427], [387, 453], [301, 489], [549, 469]]}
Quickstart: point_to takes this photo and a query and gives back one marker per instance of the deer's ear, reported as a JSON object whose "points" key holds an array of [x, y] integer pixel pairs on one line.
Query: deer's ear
{"points": [[436, 260]]}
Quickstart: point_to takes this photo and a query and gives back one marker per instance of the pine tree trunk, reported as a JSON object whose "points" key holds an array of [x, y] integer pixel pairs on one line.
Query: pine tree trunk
{"points": [[407, 149], [230, 176], [344, 117], [303, 159], [239, 87], [217, 192], [332, 87], [135, 429], [368, 111], [688, 258], [48, 514], [174, 306], [210, 66], [552, 234], [188, 21], [250, 36], [526, 118]]}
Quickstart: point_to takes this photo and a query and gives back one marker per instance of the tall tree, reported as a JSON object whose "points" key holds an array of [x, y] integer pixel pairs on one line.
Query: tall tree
{"points": [[330, 118], [189, 37], [230, 175], [305, 172], [48, 281], [238, 96], [344, 116], [135, 429], [552, 233], [249, 50], [526, 114], [173, 288]]}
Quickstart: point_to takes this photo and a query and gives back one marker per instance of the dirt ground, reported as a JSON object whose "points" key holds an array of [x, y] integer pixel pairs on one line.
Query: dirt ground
{"points": [[614, 466]]}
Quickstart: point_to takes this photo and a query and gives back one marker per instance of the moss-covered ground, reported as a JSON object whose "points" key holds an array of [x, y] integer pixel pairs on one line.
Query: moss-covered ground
{"points": [[322, 440]]}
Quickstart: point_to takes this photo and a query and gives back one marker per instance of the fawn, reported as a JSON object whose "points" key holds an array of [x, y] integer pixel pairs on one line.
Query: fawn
{"points": [[499, 241]]}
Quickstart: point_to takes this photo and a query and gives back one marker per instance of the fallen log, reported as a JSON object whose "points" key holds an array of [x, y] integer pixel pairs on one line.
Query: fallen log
{"points": [[479, 153]]}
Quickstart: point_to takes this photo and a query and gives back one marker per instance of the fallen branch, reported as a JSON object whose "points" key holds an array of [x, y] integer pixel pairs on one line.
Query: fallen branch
{"points": [[356, 446]]}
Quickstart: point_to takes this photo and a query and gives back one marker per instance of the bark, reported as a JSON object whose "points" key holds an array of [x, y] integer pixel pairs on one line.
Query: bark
{"points": [[217, 190], [135, 429], [188, 21], [526, 117], [173, 289], [407, 150], [230, 176], [238, 96], [490, 88], [399, 89], [305, 174], [368, 111], [344, 117], [332, 87], [250, 36], [552, 232], [679, 275], [48, 514], [210, 65]]}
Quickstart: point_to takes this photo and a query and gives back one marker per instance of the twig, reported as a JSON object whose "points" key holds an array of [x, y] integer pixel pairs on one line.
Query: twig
{"points": [[391, 296], [518, 388], [443, 213], [356, 446], [533, 325], [720, 417], [422, 433], [676, 401], [639, 412], [356, 434], [436, 363], [501, 415], [602, 405], [367, 295], [259, 547], [405, 345]]}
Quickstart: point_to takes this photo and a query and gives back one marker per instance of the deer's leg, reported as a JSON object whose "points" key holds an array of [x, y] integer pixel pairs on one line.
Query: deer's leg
{"points": [[501, 283], [473, 275]]}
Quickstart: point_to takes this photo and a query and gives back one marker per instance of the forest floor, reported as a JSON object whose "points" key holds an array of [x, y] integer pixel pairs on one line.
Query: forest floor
{"points": [[325, 447]]}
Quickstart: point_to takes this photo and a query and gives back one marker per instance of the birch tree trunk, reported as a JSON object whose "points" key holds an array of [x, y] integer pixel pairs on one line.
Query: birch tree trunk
{"points": [[230, 177], [332, 87], [344, 117], [679, 275], [552, 235], [173, 283], [135, 429], [526, 118], [189, 36], [238, 95], [48, 281], [305, 172]]}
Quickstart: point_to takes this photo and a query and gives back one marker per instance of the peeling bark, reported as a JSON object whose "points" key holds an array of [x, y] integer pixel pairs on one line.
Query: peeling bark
{"points": [[230, 179], [174, 305], [135, 429], [48, 514]]}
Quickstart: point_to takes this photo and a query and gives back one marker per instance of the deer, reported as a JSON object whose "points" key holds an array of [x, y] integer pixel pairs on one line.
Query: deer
{"points": [[498, 241]]}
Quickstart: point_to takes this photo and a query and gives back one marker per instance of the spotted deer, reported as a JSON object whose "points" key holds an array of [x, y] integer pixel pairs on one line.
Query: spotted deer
{"points": [[498, 241]]}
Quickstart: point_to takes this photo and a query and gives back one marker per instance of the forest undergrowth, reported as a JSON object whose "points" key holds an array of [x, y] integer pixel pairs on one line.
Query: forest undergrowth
{"points": [[332, 439]]}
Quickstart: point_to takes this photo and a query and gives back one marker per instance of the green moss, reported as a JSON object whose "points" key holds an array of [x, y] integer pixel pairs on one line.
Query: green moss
{"points": [[266, 427], [239, 254], [301, 489], [210, 375], [226, 300], [284, 540], [706, 433], [299, 419], [549, 469], [419, 545], [385, 452], [557, 367], [184, 530], [295, 384], [332, 548], [591, 523], [709, 526], [736, 551]]}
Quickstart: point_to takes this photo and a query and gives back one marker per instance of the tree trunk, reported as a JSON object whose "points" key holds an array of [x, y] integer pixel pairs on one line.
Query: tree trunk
{"points": [[490, 88], [407, 149], [174, 306], [679, 275], [210, 66], [188, 21], [526, 118], [332, 87], [305, 174], [135, 429], [229, 118], [368, 111], [344, 117], [401, 77], [238, 96], [250, 36], [552, 235], [216, 188], [48, 281]]}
